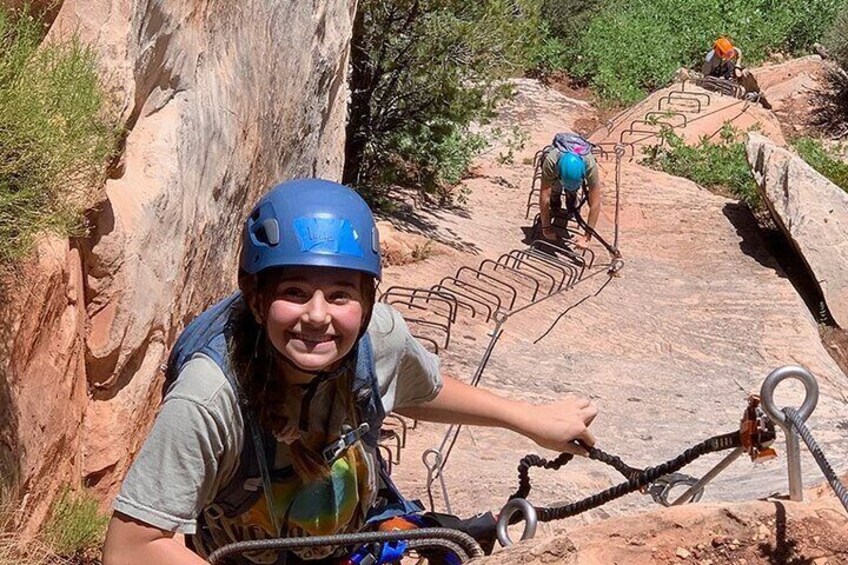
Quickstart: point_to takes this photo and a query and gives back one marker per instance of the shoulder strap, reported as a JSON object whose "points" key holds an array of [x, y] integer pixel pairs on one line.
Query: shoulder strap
{"points": [[207, 334], [367, 392]]}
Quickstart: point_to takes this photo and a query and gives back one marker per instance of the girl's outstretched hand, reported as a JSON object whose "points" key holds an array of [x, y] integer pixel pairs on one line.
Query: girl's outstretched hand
{"points": [[558, 424]]}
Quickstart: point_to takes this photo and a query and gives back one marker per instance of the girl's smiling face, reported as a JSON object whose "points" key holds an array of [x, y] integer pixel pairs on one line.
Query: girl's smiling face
{"points": [[313, 317]]}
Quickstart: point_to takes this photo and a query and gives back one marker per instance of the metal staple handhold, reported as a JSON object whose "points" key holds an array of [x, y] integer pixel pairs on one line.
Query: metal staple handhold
{"points": [[793, 450]]}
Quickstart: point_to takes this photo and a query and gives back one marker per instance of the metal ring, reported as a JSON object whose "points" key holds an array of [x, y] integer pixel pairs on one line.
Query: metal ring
{"points": [[616, 266], [619, 150], [530, 520], [780, 374]]}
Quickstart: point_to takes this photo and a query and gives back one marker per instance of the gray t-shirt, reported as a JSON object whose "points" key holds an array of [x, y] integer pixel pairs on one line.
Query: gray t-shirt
{"points": [[194, 446]]}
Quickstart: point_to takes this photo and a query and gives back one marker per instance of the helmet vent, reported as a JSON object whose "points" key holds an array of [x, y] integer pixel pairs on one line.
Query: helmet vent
{"points": [[269, 232]]}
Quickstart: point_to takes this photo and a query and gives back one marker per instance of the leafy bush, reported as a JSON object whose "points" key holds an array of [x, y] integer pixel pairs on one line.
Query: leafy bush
{"points": [[831, 114], [421, 72], [631, 47], [836, 40], [54, 140], [721, 167], [75, 526], [563, 23], [826, 161]]}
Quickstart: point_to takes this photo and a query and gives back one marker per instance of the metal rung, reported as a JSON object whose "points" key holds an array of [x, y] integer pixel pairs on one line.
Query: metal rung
{"points": [[490, 279], [456, 293], [518, 263], [496, 266], [668, 114], [521, 258], [425, 294], [471, 287], [688, 94]]}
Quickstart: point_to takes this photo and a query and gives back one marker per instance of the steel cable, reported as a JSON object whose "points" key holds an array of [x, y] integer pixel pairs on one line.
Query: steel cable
{"points": [[432, 536], [837, 486]]}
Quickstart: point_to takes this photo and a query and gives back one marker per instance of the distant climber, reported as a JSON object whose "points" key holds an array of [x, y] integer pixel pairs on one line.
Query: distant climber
{"points": [[724, 60], [568, 165]]}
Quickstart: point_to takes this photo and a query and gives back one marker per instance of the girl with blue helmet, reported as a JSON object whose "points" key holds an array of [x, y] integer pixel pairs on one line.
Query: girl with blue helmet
{"points": [[275, 397], [569, 171]]}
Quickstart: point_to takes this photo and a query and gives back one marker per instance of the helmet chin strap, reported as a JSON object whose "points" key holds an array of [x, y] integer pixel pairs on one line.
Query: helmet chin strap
{"points": [[319, 376]]}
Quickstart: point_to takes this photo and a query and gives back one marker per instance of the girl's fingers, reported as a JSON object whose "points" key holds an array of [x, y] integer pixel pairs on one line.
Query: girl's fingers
{"points": [[587, 437]]}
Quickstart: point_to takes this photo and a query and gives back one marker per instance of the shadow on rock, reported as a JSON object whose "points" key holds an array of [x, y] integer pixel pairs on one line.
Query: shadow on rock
{"points": [[406, 217], [751, 241], [784, 550], [771, 249], [10, 470]]}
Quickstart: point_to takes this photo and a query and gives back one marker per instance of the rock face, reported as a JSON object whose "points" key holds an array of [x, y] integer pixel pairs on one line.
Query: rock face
{"points": [[218, 103], [812, 212]]}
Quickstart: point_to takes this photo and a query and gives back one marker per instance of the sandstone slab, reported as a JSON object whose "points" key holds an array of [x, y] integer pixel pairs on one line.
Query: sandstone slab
{"points": [[813, 214], [668, 350]]}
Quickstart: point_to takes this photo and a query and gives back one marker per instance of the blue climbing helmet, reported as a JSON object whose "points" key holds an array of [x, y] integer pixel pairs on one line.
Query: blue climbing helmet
{"points": [[313, 223], [572, 169]]}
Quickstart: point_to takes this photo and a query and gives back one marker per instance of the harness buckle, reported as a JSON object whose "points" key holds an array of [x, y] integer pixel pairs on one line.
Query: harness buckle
{"points": [[756, 431], [348, 436]]}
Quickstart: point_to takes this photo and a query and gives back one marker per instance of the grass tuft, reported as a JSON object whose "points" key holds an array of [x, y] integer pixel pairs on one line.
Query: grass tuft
{"points": [[76, 527], [823, 159], [721, 167], [54, 137]]}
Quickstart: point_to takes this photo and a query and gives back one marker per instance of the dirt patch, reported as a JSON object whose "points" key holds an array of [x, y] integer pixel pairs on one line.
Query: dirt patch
{"points": [[767, 532], [568, 85], [401, 248], [573, 88]]}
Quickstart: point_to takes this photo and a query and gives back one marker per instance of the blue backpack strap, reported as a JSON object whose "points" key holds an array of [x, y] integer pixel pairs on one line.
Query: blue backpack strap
{"points": [[366, 391], [207, 334]]}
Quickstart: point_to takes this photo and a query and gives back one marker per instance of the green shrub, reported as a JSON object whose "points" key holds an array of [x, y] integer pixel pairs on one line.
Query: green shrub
{"points": [[76, 526], [831, 112], [54, 141], [721, 167], [631, 47], [563, 23], [421, 72], [836, 40], [826, 161]]}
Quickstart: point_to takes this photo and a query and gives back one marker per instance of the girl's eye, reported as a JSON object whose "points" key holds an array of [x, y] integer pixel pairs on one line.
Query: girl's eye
{"points": [[292, 292], [340, 297]]}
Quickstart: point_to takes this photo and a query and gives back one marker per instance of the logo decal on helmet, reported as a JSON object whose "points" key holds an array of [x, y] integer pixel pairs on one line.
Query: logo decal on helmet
{"points": [[335, 236]]}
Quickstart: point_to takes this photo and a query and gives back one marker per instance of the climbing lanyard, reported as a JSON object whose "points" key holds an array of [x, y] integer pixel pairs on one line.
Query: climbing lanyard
{"points": [[755, 434]]}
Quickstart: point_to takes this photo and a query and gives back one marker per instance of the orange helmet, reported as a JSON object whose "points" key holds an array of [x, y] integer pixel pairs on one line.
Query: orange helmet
{"points": [[723, 48]]}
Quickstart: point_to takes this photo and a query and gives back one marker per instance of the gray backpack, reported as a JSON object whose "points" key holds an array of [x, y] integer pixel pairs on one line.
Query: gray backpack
{"points": [[567, 142]]}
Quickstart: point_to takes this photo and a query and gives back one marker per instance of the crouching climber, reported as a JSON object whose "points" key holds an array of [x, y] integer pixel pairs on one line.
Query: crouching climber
{"points": [[724, 60], [567, 166], [275, 397]]}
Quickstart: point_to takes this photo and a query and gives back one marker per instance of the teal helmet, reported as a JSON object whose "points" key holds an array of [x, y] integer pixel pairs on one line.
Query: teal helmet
{"points": [[572, 170]]}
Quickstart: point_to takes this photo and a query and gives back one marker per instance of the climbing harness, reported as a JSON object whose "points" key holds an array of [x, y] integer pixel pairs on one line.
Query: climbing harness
{"points": [[347, 437]]}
